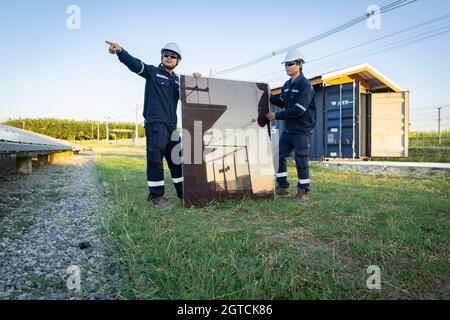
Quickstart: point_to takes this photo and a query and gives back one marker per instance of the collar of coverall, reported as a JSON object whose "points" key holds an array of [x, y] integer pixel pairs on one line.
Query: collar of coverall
{"points": [[300, 76], [163, 68]]}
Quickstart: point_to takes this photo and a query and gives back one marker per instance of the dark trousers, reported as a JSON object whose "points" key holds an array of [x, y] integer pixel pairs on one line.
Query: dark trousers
{"points": [[159, 146], [299, 143]]}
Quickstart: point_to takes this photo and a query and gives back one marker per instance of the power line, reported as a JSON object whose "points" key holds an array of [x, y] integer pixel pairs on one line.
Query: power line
{"points": [[383, 38], [433, 107], [386, 8], [389, 46], [422, 113], [365, 16], [132, 111], [386, 48], [368, 42]]}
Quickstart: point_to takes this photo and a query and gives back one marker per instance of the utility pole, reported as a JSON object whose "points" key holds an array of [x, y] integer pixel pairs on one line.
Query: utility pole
{"points": [[92, 130], [107, 129], [136, 130], [23, 125], [439, 124], [98, 131]]}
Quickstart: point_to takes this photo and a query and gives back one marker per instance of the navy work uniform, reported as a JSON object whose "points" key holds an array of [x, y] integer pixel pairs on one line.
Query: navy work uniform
{"points": [[297, 99], [162, 92]]}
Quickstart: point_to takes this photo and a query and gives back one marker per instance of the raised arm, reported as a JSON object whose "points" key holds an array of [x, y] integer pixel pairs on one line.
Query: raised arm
{"points": [[277, 100], [134, 64]]}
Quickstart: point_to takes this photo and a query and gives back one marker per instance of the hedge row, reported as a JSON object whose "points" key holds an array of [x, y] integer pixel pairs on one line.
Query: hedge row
{"points": [[75, 130]]}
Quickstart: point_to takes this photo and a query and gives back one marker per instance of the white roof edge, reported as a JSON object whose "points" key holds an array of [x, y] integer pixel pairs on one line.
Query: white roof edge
{"points": [[345, 70], [359, 66]]}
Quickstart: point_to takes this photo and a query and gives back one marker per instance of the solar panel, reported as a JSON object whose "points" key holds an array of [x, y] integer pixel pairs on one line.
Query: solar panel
{"points": [[18, 140]]}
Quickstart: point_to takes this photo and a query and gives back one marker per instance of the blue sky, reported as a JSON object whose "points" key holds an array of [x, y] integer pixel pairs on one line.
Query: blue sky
{"points": [[47, 70]]}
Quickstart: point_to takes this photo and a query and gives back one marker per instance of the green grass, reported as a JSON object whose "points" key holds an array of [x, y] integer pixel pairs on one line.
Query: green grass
{"points": [[3, 213], [24, 223], [40, 285], [422, 154], [420, 139], [281, 249], [54, 195], [425, 147]]}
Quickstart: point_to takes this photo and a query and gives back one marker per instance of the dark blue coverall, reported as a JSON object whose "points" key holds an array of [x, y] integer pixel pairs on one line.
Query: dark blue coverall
{"points": [[297, 99], [162, 92]]}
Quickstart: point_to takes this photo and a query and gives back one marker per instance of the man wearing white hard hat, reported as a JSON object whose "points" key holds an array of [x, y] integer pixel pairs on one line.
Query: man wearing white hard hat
{"points": [[162, 91], [299, 115]]}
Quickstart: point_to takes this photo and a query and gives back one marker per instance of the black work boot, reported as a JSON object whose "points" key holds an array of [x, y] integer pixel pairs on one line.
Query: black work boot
{"points": [[281, 192], [303, 195], [159, 203]]}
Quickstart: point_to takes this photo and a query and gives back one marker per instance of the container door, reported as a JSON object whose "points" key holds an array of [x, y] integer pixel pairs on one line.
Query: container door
{"points": [[390, 124], [342, 121], [316, 149]]}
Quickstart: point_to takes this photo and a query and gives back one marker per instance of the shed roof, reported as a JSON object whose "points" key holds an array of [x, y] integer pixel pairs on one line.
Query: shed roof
{"points": [[369, 77]]}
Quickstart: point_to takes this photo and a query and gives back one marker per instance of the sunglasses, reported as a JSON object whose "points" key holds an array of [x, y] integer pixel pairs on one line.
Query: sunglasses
{"points": [[171, 56], [290, 64]]}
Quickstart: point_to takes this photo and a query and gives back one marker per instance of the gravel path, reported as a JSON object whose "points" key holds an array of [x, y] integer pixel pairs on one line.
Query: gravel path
{"points": [[43, 219]]}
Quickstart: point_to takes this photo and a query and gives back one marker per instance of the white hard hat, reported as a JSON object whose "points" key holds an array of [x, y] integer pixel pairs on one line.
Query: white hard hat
{"points": [[294, 55], [172, 46]]}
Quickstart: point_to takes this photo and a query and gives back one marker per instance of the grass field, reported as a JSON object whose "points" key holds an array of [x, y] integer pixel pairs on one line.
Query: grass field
{"points": [[425, 147], [422, 154], [429, 139], [280, 249]]}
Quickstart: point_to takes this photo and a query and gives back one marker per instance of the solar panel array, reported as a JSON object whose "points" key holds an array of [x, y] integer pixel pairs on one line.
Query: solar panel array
{"points": [[14, 140]]}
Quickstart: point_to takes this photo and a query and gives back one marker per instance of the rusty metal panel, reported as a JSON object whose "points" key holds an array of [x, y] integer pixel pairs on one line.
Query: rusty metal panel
{"points": [[390, 124], [227, 152]]}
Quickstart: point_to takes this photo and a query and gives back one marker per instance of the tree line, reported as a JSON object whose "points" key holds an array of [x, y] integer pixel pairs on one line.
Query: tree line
{"points": [[76, 130], [92, 130]]}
